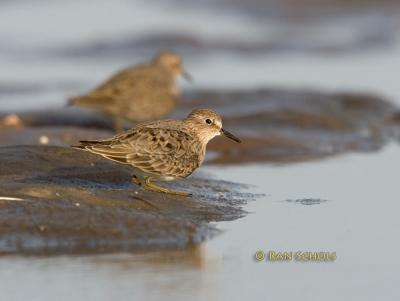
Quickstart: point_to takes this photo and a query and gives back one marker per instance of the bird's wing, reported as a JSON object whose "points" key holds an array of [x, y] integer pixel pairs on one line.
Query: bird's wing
{"points": [[135, 82], [96, 102], [103, 94], [157, 151]]}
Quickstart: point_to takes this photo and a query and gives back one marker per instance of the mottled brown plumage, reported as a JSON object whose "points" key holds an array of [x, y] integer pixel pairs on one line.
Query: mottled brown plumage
{"points": [[162, 150], [139, 93]]}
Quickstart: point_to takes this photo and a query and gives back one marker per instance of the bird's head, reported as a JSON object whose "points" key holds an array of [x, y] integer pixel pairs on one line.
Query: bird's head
{"points": [[172, 62], [208, 124]]}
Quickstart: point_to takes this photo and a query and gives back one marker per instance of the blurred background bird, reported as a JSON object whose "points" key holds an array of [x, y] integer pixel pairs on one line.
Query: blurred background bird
{"points": [[139, 93]]}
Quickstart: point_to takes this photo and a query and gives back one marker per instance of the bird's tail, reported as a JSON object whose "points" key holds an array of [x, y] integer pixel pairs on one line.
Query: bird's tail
{"points": [[103, 148], [72, 101], [87, 144]]}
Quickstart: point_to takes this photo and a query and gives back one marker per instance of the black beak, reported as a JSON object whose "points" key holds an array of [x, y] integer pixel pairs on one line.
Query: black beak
{"points": [[230, 136], [187, 76]]}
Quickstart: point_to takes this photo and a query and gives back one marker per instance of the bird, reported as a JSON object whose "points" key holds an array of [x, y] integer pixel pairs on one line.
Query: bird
{"points": [[138, 93], [162, 150]]}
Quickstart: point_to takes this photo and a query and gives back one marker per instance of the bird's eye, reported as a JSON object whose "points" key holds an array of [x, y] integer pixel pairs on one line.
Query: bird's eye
{"points": [[208, 121]]}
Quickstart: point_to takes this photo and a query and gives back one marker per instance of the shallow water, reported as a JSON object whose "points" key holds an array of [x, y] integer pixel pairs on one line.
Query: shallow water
{"points": [[357, 217], [358, 221]]}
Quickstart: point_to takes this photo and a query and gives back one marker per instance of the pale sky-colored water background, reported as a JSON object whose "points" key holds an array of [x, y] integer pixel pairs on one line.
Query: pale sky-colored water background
{"points": [[359, 220]]}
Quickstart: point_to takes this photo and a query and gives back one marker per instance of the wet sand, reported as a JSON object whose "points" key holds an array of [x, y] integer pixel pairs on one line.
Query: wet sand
{"points": [[62, 200]]}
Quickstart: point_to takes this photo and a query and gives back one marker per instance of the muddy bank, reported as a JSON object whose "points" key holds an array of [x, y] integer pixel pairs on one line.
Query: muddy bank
{"points": [[291, 40], [10, 89], [275, 125], [55, 199], [273, 27], [297, 9], [286, 126]]}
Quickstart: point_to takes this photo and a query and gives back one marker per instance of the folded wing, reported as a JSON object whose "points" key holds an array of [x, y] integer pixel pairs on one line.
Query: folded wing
{"points": [[153, 150]]}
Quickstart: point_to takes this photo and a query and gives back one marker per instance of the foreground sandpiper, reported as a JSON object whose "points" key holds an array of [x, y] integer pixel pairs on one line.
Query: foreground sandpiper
{"points": [[162, 150], [139, 93]]}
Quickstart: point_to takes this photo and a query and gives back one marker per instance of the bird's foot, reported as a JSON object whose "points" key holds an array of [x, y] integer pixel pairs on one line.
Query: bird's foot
{"points": [[135, 180], [149, 185]]}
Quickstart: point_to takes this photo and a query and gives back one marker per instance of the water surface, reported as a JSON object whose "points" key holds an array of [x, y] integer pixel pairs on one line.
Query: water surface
{"points": [[359, 222]]}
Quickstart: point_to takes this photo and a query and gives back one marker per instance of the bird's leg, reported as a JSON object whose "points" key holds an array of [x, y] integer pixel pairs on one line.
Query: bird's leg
{"points": [[149, 185], [118, 124], [136, 181]]}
